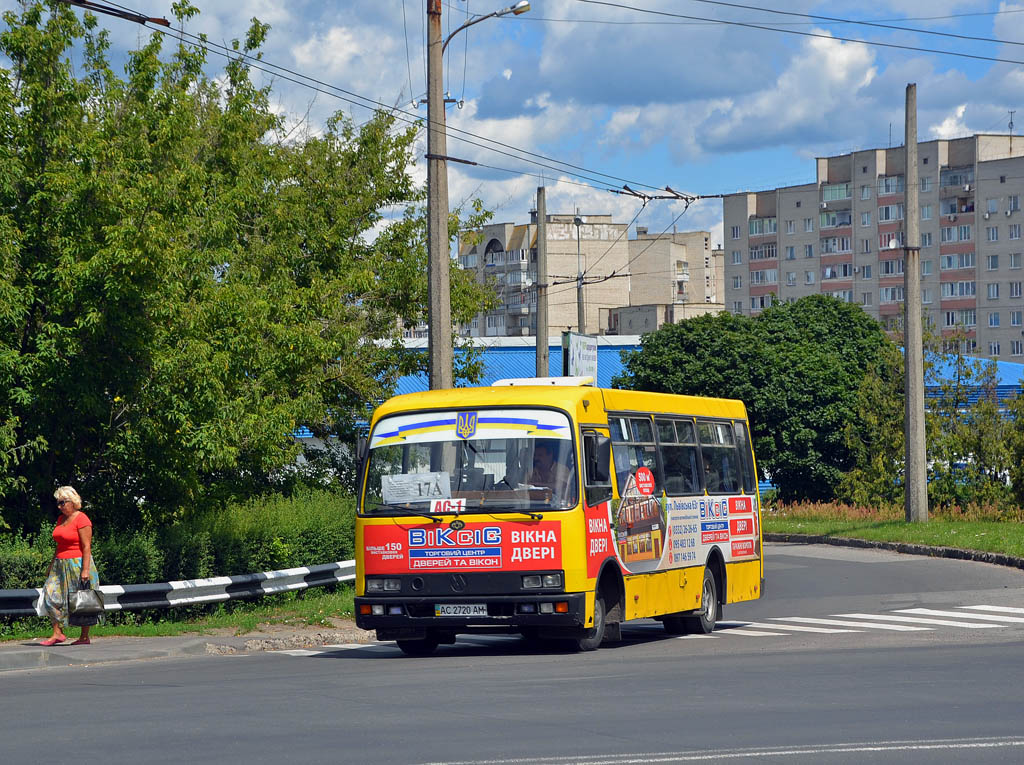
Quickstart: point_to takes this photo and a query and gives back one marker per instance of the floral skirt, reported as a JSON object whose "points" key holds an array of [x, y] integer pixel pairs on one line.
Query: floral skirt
{"points": [[63, 579]]}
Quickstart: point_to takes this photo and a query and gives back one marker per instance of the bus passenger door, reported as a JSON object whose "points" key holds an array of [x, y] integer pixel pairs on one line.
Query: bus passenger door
{"points": [[597, 495]]}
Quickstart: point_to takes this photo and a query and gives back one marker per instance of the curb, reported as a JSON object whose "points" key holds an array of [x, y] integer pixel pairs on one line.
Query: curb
{"points": [[956, 553], [101, 651]]}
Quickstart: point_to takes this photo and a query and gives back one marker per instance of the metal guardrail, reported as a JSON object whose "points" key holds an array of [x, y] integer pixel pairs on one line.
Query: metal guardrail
{"points": [[135, 597]]}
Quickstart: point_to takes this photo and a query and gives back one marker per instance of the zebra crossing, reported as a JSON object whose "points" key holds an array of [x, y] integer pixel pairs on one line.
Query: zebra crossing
{"points": [[969, 617]]}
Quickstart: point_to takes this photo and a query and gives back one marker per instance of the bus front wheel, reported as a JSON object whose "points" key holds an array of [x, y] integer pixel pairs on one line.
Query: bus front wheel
{"points": [[421, 647], [593, 637], [704, 621]]}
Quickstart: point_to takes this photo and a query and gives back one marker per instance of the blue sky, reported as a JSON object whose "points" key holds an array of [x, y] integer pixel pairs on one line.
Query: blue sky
{"points": [[654, 100]]}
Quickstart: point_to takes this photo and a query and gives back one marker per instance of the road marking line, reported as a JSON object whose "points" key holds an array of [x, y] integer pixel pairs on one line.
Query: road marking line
{"points": [[961, 614], [695, 637], [298, 652], [999, 609], [352, 646], [752, 633], [792, 627], [838, 623], [915, 620]]}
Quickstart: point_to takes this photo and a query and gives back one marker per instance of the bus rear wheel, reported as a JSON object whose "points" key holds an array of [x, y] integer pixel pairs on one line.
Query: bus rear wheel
{"points": [[421, 647], [593, 637], [704, 622]]}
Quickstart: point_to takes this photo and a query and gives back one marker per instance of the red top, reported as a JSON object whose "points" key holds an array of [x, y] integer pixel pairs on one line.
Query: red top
{"points": [[68, 543]]}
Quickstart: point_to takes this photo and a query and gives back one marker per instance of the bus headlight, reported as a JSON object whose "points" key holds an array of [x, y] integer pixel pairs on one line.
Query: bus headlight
{"points": [[552, 580], [531, 581], [383, 585]]}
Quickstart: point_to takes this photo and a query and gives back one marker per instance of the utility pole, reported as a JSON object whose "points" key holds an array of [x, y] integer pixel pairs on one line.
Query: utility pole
{"points": [[543, 364], [580, 318], [439, 309], [916, 483]]}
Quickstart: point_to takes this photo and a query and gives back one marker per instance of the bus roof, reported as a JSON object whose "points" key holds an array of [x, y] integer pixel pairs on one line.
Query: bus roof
{"points": [[569, 398]]}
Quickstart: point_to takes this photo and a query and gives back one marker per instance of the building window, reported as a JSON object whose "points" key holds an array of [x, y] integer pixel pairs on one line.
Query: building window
{"points": [[1013, 202], [865, 245], [790, 252], [737, 257], [993, 349], [991, 206], [890, 241], [1016, 348], [1014, 260], [890, 184], [890, 267], [958, 289], [926, 296], [926, 239], [791, 278], [889, 213], [926, 181], [963, 260], [735, 232], [808, 250], [926, 212], [866, 272], [993, 262], [993, 319], [865, 219], [808, 225], [737, 306], [865, 298], [890, 295], [1013, 231], [992, 233], [737, 282], [790, 226], [808, 277], [1016, 318], [1015, 289], [993, 291], [926, 268], [865, 192], [765, 276]]}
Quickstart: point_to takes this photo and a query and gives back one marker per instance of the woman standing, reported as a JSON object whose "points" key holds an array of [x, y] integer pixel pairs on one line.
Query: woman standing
{"points": [[72, 567]]}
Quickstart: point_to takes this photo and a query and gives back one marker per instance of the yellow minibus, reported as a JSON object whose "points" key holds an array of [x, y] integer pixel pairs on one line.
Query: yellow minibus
{"points": [[556, 510]]}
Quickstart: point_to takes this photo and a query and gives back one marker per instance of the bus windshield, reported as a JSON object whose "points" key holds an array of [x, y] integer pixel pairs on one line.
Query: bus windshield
{"points": [[487, 460]]}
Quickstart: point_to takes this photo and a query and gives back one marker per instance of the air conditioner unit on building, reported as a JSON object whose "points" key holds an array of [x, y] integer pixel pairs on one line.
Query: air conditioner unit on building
{"points": [[985, 216], [856, 269], [967, 187], [824, 205], [1008, 213]]}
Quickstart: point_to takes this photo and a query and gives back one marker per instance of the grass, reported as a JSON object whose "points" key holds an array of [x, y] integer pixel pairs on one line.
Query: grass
{"points": [[311, 608], [887, 525]]}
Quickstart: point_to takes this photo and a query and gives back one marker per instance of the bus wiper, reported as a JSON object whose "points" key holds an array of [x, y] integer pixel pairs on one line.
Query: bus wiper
{"points": [[532, 515], [410, 511]]}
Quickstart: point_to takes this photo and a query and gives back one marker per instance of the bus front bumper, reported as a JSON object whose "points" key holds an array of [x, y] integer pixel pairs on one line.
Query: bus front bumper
{"points": [[405, 617]]}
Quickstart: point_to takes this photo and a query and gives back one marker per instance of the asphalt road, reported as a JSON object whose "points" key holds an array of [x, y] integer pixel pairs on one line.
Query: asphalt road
{"points": [[852, 656]]}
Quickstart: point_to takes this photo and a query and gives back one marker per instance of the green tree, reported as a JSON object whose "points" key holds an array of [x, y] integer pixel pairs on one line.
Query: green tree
{"points": [[797, 366], [181, 285], [969, 439]]}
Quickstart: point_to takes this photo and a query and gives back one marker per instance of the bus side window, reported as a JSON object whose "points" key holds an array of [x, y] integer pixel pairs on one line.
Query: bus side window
{"points": [[596, 456], [746, 458], [678, 447], [721, 463]]}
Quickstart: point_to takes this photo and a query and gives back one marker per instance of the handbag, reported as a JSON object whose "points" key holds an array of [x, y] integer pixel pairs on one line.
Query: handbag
{"points": [[85, 602]]}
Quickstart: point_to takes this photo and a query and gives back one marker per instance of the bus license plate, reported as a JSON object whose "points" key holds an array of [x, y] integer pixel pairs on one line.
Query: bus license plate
{"points": [[460, 609]]}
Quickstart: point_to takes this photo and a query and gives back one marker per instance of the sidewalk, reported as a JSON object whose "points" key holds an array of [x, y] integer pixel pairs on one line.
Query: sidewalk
{"points": [[15, 655]]}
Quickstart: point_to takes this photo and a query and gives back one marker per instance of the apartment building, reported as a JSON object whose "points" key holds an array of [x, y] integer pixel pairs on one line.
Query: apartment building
{"points": [[505, 255], [844, 236], [673, 277]]}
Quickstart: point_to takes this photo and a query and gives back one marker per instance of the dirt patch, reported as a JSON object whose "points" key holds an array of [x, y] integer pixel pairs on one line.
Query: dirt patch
{"points": [[282, 637]]}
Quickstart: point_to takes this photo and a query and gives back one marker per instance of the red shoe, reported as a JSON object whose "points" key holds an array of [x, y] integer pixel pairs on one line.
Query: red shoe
{"points": [[82, 641], [52, 641]]}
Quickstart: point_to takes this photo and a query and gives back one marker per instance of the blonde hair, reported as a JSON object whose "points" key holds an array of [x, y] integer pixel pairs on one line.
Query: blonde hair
{"points": [[68, 493]]}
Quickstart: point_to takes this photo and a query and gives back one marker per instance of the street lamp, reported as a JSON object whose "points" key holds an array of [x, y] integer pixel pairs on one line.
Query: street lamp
{"points": [[439, 309]]}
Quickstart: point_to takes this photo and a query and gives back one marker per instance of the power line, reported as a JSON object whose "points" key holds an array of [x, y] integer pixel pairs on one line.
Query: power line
{"points": [[763, 27]]}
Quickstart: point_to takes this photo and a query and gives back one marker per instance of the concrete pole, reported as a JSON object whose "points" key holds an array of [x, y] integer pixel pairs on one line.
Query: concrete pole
{"points": [[916, 484], [543, 363], [581, 319], [439, 309]]}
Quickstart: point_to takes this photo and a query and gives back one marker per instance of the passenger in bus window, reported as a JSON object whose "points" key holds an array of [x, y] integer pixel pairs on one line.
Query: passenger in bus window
{"points": [[712, 481], [552, 468]]}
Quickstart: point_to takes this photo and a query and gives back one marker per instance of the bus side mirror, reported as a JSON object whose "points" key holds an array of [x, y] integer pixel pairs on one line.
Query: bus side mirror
{"points": [[597, 458], [361, 444]]}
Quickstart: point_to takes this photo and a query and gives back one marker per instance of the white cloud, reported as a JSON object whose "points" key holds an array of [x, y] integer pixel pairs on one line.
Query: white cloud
{"points": [[952, 126]]}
